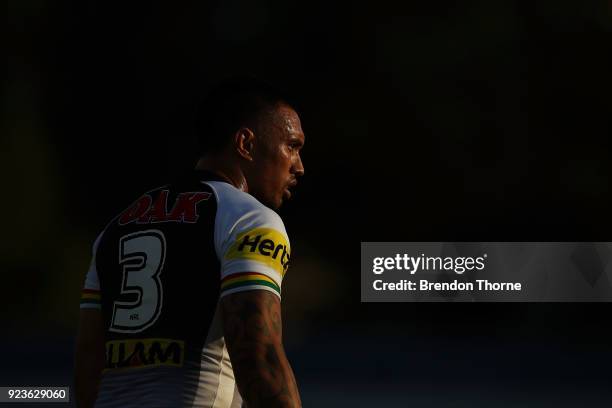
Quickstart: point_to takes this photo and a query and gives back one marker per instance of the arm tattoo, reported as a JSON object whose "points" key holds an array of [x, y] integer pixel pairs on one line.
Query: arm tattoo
{"points": [[253, 332]]}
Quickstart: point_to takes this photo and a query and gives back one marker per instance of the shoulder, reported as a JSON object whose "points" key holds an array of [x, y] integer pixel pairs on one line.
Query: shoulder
{"points": [[251, 242], [235, 208], [249, 237]]}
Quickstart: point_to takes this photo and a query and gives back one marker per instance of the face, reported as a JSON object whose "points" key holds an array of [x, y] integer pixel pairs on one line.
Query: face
{"points": [[276, 161]]}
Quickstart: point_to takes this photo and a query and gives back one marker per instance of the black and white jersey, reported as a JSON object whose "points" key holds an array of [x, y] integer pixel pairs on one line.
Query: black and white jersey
{"points": [[157, 273]]}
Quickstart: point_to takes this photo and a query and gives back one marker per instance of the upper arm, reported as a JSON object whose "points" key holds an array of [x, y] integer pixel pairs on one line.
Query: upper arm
{"points": [[251, 318], [253, 334], [90, 335], [89, 357], [89, 351]]}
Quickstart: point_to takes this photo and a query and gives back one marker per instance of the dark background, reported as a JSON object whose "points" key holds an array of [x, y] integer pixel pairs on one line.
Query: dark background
{"points": [[441, 121]]}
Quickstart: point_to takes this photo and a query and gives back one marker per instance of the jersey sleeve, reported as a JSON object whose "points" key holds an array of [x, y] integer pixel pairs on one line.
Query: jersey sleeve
{"points": [[254, 251], [90, 295]]}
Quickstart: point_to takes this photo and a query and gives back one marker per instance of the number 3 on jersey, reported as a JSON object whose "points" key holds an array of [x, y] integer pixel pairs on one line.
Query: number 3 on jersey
{"points": [[141, 256]]}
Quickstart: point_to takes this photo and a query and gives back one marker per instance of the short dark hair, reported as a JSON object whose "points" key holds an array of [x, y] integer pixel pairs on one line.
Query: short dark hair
{"points": [[231, 104]]}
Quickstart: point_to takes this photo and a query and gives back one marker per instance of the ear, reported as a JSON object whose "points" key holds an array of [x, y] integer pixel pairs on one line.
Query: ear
{"points": [[243, 143]]}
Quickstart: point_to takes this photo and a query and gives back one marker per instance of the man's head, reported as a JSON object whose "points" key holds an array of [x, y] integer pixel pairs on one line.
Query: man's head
{"points": [[255, 129]]}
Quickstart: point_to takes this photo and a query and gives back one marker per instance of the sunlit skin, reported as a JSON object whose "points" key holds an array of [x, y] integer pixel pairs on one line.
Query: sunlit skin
{"points": [[276, 163], [264, 159]]}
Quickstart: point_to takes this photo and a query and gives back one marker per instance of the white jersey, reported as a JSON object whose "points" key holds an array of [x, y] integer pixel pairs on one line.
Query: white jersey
{"points": [[158, 272]]}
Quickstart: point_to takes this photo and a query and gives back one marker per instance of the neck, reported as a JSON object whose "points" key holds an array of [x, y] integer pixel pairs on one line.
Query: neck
{"points": [[222, 167]]}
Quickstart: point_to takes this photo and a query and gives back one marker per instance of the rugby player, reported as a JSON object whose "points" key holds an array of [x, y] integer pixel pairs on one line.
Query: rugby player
{"points": [[181, 304]]}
